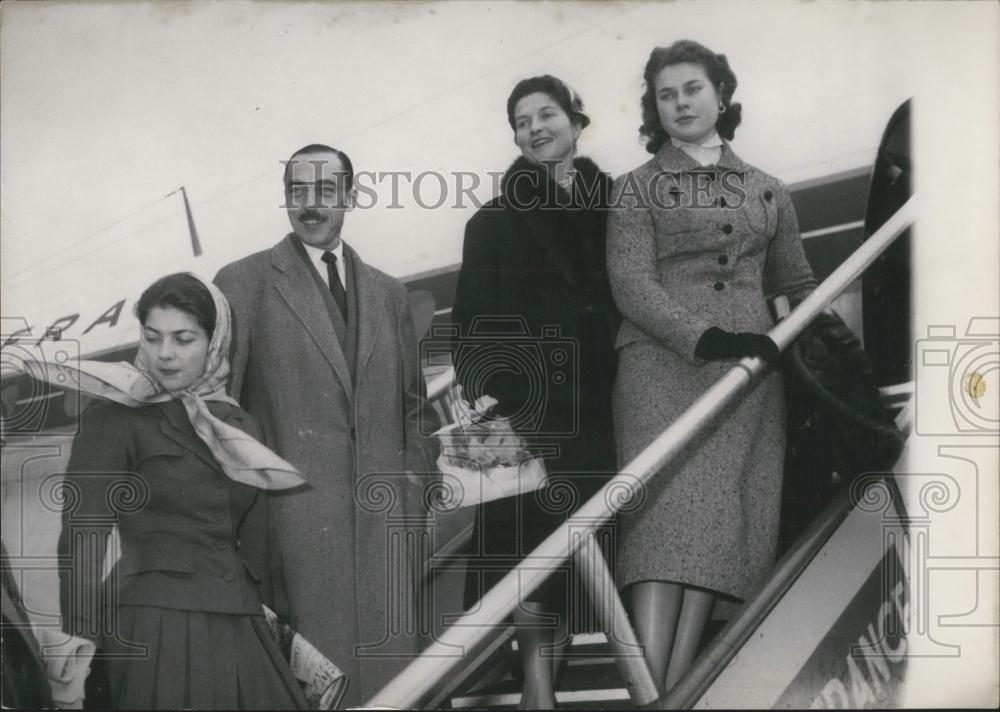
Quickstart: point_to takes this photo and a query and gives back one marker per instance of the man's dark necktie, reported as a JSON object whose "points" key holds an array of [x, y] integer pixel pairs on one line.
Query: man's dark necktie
{"points": [[336, 286]]}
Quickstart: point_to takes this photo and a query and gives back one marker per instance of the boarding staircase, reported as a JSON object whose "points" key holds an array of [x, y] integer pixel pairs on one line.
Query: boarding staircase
{"points": [[588, 678], [843, 562]]}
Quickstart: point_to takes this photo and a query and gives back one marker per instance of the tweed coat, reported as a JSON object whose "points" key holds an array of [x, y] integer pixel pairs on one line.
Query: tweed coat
{"points": [[353, 436], [537, 253], [193, 543], [692, 247]]}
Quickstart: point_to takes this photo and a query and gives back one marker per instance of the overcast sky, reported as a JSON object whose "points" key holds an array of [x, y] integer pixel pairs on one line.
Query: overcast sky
{"points": [[106, 108]]}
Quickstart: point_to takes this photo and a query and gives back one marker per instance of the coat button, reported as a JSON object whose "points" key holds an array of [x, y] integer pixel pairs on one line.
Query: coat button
{"points": [[221, 545], [723, 259], [220, 483], [229, 576], [727, 228], [719, 286], [768, 195]]}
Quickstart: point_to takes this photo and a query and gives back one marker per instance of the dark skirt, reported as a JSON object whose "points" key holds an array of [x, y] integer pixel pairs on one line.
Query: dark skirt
{"points": [[168, 659], [506, 530]]}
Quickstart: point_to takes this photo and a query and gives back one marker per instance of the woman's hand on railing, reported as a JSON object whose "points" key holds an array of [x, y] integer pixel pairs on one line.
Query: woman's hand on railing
{"points": [[718, 345]]}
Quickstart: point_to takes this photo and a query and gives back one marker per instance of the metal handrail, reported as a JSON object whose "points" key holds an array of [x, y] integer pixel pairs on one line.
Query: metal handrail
{"points": [[424, 672], [440, 384]]}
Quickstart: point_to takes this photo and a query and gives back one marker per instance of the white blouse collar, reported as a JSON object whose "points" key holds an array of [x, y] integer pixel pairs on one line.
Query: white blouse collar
{"points": [[713, 141], [705, 153]]}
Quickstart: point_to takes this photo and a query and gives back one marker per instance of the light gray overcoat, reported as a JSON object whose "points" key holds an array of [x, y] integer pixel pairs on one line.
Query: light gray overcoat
{"points": [[690, 248], [353, 436]]}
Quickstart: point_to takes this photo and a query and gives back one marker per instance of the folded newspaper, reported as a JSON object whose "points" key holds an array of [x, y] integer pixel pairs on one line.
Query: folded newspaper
{"points": [[483, 456], [322, 682], [67, 663]]}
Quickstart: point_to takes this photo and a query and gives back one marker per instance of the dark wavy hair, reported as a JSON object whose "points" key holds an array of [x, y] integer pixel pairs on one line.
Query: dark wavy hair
{"points": [[180, 291], [717, 69], [345, 161], [560, 92]]}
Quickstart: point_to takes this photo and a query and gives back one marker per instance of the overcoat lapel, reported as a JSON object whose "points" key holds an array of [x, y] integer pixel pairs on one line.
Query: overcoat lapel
{"points": [[296, 286], [371, 309]]}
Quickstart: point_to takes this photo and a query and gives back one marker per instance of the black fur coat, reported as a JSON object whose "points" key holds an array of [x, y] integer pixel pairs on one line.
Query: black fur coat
{"points": [[537, 326], [534, 271]]}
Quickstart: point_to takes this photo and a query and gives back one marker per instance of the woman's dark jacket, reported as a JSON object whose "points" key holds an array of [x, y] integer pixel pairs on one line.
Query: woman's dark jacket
{"points": [[191, 538]]}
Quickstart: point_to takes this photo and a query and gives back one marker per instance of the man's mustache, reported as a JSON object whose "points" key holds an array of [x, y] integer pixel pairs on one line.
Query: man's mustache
{"points": [[310, 215]]}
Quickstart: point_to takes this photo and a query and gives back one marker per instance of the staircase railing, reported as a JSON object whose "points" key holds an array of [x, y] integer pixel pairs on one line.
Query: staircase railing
{"points": [[418, 680]]}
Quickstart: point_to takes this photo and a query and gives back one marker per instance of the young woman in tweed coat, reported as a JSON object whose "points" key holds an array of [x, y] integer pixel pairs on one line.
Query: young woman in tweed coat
{"points": [[697, 239]]}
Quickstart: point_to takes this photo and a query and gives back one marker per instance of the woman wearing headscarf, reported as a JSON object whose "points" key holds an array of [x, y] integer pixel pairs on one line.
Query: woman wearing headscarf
{"points": [[697, 239], [537, 330], [171, 460]]}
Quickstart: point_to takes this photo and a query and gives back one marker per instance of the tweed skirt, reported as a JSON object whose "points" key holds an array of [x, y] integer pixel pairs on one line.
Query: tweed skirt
{"points": [[168, 659], [710, 518]]}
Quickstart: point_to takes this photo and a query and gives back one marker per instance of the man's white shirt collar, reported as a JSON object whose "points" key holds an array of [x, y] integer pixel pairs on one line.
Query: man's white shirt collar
{"points": [[316, 255]]}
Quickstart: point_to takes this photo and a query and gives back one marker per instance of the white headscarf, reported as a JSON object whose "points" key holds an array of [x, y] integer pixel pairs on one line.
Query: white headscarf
{"points": [[242, 458]]}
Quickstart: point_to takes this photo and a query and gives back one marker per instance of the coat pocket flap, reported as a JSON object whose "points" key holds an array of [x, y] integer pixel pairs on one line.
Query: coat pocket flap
{"points": [[673, 222], [159, 447], [144, 556]]}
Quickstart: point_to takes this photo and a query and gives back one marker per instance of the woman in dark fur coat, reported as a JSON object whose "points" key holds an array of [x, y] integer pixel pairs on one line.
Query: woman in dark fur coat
{"points": [[537, 333]]}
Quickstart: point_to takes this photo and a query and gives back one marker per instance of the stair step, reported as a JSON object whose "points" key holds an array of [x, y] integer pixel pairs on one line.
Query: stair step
{"points": [[588, 680], [581, 640], [615, 698]]}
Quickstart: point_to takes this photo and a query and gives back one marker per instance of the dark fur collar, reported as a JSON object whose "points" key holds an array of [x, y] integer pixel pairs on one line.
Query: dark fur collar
{"points": [[526, 185], [569, 228]]}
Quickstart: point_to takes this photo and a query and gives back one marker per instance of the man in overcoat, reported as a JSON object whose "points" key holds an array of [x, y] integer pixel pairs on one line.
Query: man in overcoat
{"points": [[325, 356]]}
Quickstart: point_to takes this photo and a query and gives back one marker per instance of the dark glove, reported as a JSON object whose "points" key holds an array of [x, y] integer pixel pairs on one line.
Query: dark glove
{"points": [[718, 345]]}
